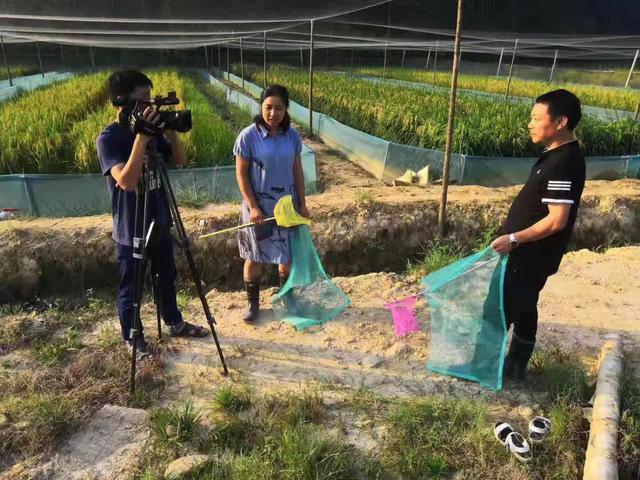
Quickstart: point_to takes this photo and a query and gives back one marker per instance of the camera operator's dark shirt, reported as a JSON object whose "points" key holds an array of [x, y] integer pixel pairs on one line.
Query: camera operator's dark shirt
{"points": [[114, 146]]}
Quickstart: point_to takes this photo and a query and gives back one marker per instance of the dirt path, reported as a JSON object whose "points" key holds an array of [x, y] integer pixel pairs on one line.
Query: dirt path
{"points": [[593, 294]]}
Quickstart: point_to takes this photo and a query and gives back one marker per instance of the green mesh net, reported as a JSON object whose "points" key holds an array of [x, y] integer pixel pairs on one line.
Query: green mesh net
{"points": [[309, 297], [467, 326]]}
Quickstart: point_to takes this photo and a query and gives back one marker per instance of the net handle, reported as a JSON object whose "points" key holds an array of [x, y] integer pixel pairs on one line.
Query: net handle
{"points": [[237, 227]]}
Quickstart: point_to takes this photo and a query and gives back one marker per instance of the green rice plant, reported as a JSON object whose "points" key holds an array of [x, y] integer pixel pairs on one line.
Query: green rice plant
{"points": [[419, 118], [597, 96], [35, 125]]}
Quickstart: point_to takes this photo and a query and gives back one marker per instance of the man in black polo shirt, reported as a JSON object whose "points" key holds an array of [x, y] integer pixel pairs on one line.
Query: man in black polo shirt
{"points": [[540, 221]]}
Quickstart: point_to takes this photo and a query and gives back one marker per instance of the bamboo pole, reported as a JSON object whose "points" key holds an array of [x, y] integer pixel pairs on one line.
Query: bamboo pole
{"points": [[500, 62], [93, 62], [228, 65], [264, 58], [64, 63], [513, 59], [404, 53], [206, 58], [601, 460], [435, 62], [426, 65], [637, 114], [553, 67], [311, 83], [633, 65], [39, 58], [6, 62], [301, 58], [442, 211], [241, 64], [384, 65]]}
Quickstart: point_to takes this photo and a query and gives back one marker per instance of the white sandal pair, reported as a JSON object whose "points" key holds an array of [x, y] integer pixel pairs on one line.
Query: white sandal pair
{"points": [[539, 429]]}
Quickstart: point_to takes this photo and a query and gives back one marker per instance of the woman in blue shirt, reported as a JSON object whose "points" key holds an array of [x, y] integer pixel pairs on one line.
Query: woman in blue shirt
{"points": [[267, 168]]}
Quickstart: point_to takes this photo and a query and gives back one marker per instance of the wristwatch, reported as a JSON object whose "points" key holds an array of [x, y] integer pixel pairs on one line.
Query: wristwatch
{"points": [[513, 240]]}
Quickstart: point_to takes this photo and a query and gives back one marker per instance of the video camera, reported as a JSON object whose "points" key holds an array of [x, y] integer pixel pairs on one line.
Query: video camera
{"points": [[132, 110]]}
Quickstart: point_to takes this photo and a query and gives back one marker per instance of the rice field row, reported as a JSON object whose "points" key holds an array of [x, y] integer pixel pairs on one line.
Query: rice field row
{"points": [[34, 125], [49, 135], [617, 99], [419, 118]]}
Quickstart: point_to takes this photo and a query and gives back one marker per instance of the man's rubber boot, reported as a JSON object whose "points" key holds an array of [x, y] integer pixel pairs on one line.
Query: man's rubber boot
{"points": [[516, 361], [253, 298]]}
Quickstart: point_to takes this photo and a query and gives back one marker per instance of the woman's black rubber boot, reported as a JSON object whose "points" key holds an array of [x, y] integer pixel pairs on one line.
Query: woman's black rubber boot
{"points": [[253, 298]]}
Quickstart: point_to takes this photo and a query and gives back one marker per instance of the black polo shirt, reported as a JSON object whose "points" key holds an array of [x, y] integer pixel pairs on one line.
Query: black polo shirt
{"points": [[557, 178]]}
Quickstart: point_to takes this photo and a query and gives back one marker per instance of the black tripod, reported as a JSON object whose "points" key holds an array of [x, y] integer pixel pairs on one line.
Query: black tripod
{"points": [[155, 171]]}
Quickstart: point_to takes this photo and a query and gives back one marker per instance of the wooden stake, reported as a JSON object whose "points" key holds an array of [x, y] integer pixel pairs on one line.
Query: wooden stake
{"points": [[442, 211]]}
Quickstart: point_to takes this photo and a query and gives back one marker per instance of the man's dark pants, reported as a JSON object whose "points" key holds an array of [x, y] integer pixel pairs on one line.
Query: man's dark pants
{"points": [[522, 288], [160, 255]]}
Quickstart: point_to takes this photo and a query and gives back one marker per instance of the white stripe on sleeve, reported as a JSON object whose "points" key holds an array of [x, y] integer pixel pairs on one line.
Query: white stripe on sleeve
{"points": [[557, 200]]}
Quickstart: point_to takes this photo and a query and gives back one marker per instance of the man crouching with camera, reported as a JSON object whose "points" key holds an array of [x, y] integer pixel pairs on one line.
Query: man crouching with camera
{"points": [[122, 158]]}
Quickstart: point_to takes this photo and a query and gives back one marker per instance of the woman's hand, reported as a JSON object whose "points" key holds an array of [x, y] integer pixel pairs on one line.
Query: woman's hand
{"points": [[304, 211], [256, 215]]}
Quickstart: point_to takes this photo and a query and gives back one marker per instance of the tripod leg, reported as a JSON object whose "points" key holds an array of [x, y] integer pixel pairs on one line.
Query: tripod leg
{"points": [[195, 274], [139, 255], [155, 282]]}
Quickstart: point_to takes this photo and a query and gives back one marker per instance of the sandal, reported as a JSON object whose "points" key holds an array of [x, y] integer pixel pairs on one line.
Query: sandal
{"points": [[517, 445], [501, 430], [539, 429], [189, 330]]}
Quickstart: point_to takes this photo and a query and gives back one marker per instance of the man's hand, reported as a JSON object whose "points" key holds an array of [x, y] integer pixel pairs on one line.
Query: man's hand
{"points": [[148, 124], [256, 215], [502, 244]]}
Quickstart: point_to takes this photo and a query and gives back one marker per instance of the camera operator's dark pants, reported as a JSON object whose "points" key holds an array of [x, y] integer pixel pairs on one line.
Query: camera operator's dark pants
{"points": [[160, 254], [521, 292]]}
